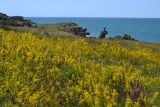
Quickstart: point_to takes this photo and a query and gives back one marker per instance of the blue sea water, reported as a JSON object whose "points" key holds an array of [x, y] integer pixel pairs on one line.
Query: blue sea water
{"points": [[143, 29]]}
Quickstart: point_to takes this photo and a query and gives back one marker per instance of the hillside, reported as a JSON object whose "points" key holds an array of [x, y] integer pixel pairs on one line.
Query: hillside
{"points": [[16, 21], [61, 70]]}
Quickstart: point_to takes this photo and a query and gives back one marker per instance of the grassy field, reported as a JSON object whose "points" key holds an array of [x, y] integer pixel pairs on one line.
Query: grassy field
{"points": [[72, 71]]}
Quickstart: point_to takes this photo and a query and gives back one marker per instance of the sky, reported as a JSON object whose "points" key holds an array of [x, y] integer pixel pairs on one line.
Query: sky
{"points": [[82, 8]]}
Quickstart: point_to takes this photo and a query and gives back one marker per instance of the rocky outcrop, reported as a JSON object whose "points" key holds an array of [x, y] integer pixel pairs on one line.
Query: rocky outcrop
{"points": [[74, 29], [15, 21]]}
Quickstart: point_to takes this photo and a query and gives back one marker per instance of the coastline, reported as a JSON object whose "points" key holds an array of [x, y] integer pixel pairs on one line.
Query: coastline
{"points": [[134, 27]]}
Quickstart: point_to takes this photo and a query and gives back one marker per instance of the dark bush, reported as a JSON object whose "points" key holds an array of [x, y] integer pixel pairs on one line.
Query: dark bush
{"points": [[103, 33], [127, 37]]}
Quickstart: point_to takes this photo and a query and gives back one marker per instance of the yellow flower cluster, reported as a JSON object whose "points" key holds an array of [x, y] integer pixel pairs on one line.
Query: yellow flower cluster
{"points": [[67, 71]]}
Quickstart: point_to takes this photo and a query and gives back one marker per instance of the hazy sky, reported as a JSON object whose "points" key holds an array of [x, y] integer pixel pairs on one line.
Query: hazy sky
{"points": [[82, 8]]}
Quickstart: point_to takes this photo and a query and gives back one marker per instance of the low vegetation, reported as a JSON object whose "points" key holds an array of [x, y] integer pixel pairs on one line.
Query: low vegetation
{"points": [[125, 37], [65, 71]]}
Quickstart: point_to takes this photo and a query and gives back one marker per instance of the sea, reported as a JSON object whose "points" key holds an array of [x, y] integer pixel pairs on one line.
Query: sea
{"points": [[143, 29]]}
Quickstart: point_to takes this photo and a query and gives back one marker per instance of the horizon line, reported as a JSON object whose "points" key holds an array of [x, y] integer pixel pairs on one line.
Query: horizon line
{"points": [[88, 17], [85, 16]]}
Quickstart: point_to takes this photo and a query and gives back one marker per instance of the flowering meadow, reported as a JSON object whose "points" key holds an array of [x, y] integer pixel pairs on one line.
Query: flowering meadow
{"points": [[60, 71]]}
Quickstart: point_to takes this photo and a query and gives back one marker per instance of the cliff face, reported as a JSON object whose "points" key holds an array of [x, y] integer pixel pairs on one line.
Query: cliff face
{"points": [[6, 20]]}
